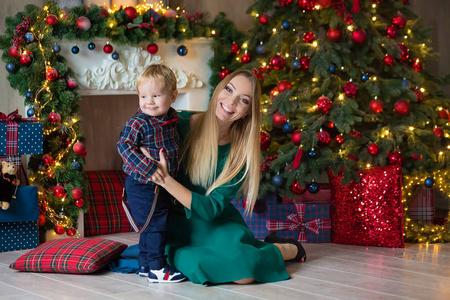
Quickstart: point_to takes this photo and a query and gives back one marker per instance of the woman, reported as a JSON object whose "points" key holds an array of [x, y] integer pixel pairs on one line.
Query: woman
{"points": [[209, 241]]}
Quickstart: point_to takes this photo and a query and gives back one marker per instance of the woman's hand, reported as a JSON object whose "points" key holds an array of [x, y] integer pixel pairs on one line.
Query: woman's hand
{"points": [[162, 171]]}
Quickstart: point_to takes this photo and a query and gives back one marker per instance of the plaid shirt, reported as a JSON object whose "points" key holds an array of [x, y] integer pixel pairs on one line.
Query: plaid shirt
{"points": [[152, 133]]}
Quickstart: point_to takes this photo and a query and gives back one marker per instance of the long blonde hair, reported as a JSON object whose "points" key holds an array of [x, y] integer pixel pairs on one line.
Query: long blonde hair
{"points": [[201, 148]]}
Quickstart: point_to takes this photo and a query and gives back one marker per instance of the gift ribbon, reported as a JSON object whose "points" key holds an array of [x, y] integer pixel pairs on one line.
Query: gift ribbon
{"points": [[12, 117], [12, 130], [296, 221]]}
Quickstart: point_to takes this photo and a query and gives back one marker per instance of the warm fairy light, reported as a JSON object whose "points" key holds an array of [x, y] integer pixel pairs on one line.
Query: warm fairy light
{"points": [[405, 37], [237, 58], [314, 44], [265, 110], [287, 55], [341, 97], [422, 90], [274, 30], [184, 30], [350, 27], [368, 165], [314, 79], [264, 64], [374, 78], [374, 5], [213, 32], [244, 45], [45, 8], [374, 18]]}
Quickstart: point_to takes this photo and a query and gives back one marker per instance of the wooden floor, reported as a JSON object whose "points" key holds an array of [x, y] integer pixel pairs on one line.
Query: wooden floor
{"points": [[332, 271]]}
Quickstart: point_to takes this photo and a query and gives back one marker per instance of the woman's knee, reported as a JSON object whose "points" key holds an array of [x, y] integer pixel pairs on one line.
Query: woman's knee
{"points": [[245, 281]]}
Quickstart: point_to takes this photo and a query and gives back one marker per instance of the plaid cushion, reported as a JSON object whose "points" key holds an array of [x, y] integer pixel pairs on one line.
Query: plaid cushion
{"points": [[70, 255], [105, 214]]}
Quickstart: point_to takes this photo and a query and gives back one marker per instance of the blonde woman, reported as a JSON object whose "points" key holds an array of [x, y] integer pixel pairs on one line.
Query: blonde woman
{"points": [[209, 241]]}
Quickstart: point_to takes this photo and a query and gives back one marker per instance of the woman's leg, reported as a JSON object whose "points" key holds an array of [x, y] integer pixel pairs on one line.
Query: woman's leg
{"points": [[288, 251], [245, 281]]}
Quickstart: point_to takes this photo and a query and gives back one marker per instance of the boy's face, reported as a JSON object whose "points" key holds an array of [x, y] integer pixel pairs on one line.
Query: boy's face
{"points": [[154, 98]]}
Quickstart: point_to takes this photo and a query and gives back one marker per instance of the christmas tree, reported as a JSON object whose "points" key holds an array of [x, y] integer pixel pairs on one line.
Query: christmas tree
{"points": [[345, 88]]}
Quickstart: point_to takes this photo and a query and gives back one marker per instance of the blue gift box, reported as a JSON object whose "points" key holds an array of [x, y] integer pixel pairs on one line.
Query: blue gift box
{"points": [[305, 222], [29, 138], [19, 223]]}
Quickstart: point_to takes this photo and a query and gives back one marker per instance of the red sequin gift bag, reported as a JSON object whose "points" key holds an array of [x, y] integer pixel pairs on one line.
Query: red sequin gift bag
{"points": [[368, 213]]}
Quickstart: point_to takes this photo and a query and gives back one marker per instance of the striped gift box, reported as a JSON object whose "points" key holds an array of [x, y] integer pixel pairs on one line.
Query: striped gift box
{"points": [[421, 208]]}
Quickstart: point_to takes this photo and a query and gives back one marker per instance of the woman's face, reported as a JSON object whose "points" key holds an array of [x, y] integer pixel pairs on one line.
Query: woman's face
{"points": [[235, 100]]}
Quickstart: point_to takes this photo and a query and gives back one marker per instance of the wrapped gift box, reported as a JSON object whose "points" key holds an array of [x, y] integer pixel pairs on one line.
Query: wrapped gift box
{"points": [[421, 208], [305, 222], [322, 196], [257, 221], [19, 223], [28, 139]]}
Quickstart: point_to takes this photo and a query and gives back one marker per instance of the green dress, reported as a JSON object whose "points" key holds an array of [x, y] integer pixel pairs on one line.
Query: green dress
{"points": [[211, 243]]}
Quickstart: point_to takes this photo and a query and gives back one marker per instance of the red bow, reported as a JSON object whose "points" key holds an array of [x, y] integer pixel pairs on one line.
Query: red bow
{"points": [[12, 117]]}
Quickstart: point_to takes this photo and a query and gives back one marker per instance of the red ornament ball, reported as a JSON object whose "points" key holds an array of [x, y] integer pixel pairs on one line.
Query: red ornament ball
{"points": [[246, 58], [79, 149], [308, 37], [54, 117], [358, 36], [77, 193], [391, 32], [25, 59], [131, 13], [59, 229], [59, 191], [443, 114], [334, 34], [352, 157], [284, 2], [323, 104], [339, 139], [235, 48], [296, 188], [152, 48], [304, 63], [306, 4], [373, 149], [14, 51], [395, 158], [405, 52], [405, 1], [284, 85], [324, 138], [103, 12], [388, 60], [264, 139], [108, 48], [420, 95], [263, 19], [51, 20], [51, 74], [350, 89], [83, 23], [224, 73], [71, 232], [401, 107], [277, 62], [279, 119], [41, 220], [438, 131], [376, 106], [296, 137], [399, 20], [79, 202], [416, 64], [71, 83], [324, 3]]}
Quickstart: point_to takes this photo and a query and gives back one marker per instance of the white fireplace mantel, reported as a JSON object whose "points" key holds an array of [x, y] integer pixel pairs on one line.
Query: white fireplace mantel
{"points": [[98, 74]]}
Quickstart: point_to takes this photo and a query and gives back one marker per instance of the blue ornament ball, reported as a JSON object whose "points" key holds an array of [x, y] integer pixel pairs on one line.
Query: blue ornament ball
{"points": [[260, 49], [56, 48], [278, 180], [29, 95], [30, 112], [76, 165], [182, 50], [91, 46], [287, 128], [312, 154], [115, 56], [41, 167], [313, 188], [429, 182], [406, 83], [29, 37], [285, 25], [365, 77], [11, 67], [296, 64], [75, 49], [332, 68]]}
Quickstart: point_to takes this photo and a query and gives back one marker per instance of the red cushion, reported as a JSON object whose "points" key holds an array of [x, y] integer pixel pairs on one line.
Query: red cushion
{"points": [[105, 214], [70, 255]]}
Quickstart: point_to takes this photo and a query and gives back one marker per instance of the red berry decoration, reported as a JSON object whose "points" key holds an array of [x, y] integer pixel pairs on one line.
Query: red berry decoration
{"points": [[334, 34], [14, 51], [235, 48], [358, 36], [224, 73], [47, 160], [80, 149], [296, 137], [405, 52], [373, 149], [263, 19], [59, 229], [308, 37], [54, 117], [401, 107], [246, 58], [59, 191], [399, 20], [391, 31], [51, 74], [339, 139], [438, 131], [296, 188], [77, 193], [304, 63], [131, 13], [443, 114], [83, 23], [323, 104], [273, 93], [419, 94], [71, 232], [324, 138], [324, 3], [388, 60], [152, 48], [355, 134], [376, 106], [350, 89], [264, 139], [277, 62], [415, 157], [395, 158], [306, 4], [416, 64], [71, 83], [41, 220], [279, 119], [51, 20], [284, 85], [284, 2], [79, 203], [25, 59]]}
